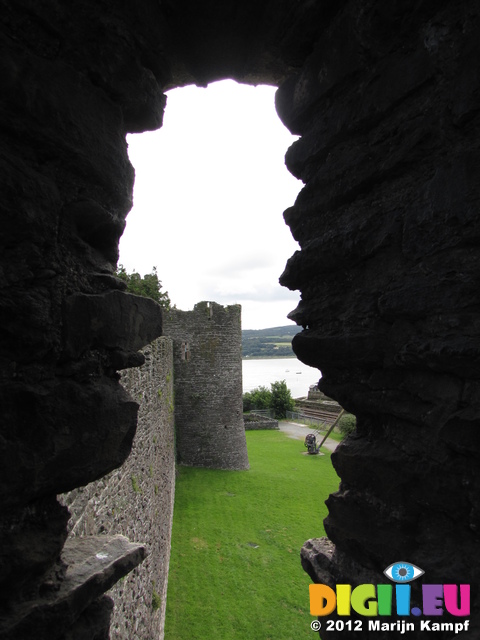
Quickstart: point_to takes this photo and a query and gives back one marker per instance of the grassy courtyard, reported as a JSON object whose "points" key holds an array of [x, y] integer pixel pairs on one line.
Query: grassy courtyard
{"points": [[235, 570]]}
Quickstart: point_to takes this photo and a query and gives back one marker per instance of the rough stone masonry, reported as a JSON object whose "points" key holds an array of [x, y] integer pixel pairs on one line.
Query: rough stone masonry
{"points": [[137, 499], [385, 99], [207, 355]]}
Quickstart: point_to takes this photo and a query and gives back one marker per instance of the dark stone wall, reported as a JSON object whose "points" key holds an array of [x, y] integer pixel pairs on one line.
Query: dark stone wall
{"points": [[387, 109], [72, 85], [385, 97], [207, 356]]}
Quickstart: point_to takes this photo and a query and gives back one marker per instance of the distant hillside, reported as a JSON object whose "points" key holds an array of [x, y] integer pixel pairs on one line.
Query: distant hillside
{"points": [[275, 342]]}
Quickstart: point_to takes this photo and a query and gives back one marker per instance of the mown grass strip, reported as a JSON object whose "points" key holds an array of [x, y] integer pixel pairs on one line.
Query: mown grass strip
{"points": [[235, 570]]}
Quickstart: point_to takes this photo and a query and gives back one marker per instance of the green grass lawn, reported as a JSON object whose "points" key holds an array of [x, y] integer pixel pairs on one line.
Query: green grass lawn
{"points": [[235, 568], [334, 435]]}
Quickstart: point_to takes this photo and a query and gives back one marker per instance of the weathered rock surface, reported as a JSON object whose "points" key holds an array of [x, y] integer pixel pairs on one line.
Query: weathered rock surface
{"points": [[92, 566], [72, 85], [385, 97], [388, 269]]}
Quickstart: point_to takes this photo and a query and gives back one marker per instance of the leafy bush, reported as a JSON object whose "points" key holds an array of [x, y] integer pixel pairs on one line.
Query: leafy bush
{"points": [[278, 399], [149, 286], [347, 424], [258, 398]]}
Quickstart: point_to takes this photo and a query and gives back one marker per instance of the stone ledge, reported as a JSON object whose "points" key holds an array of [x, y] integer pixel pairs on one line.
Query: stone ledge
{"points": [[325, 564], [94, 565]]}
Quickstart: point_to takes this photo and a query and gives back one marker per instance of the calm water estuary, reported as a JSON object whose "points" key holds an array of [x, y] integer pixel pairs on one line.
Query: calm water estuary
{"points": [[264, 371]]}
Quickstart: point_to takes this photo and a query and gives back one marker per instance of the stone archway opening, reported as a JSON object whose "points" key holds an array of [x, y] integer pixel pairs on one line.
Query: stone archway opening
{"points": [[208, 213], [386, 102], [210, 189]]}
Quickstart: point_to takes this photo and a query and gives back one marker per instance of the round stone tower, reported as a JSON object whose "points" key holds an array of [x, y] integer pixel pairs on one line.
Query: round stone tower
{"points": [[207, 353]]}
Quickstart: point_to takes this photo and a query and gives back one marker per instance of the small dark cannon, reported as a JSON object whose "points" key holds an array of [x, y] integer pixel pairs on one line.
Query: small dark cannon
{"points": [[311, 444]]}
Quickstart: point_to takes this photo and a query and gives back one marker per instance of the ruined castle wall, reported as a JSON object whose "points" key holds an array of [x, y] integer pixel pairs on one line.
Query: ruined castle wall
{"points": [[208, 385], [137, 499], [388, 227], [258, 423], [385, 97]]}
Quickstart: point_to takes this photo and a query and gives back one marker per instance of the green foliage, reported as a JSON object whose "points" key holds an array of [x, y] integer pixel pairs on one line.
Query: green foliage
{"points": [[156, 600], [259, 398], [241, 532], [282, 400], [135, 485], [278, 399], [149, 286], [347, 424]]}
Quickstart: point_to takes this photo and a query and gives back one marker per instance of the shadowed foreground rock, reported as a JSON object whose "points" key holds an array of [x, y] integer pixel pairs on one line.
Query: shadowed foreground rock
{"points": [[90, 566], [385, 98], [388, 269]]}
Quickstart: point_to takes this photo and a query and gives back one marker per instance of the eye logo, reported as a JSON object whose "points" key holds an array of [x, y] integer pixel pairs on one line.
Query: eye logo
{"points": [[403, 572]]}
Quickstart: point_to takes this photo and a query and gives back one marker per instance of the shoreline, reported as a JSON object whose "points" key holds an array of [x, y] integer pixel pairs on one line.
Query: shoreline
{"points": [[293, 356]]}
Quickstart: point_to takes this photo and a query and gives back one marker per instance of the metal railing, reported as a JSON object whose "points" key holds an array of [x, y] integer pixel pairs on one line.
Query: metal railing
{"points": [[300, 417], [265, 413]]}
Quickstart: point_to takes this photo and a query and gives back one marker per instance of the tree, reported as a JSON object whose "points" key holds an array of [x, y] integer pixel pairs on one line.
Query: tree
{"points": [[149, 286], [282, 400], [258, 398], [278, 399]]}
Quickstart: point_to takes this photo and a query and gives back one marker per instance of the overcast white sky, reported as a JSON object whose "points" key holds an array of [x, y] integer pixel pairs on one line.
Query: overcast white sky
{"points": [[210, 190]]}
